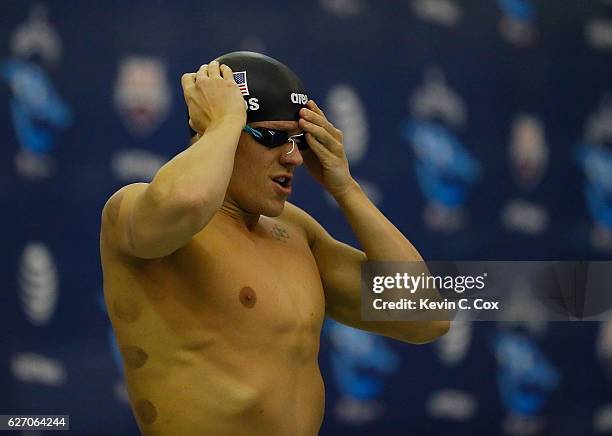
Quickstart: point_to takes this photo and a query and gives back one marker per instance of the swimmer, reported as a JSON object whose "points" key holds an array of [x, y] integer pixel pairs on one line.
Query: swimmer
{"points": [[216, 285]]}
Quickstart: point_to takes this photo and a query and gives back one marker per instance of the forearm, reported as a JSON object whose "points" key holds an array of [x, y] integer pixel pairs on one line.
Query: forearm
{"points": [[201, 173], [378, 237], [382, 241]]}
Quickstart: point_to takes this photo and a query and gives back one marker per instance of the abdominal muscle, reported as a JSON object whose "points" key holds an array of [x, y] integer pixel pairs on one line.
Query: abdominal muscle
{"points": [[224, 392]]}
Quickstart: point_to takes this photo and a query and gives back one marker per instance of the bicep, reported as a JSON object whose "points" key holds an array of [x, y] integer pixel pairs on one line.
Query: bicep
{"points": [[339, 267], [340, 270]]}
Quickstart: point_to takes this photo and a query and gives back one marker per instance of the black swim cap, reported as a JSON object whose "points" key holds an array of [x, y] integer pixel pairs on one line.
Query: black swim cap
{"points": [[271, 91]]}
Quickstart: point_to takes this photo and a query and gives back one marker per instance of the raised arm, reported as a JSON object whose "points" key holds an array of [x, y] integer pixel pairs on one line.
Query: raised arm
{"points": [[153, 220], [340, 264]]}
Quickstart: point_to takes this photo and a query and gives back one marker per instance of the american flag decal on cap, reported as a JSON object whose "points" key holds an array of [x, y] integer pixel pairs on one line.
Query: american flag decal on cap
{"points": [[241, 81]]}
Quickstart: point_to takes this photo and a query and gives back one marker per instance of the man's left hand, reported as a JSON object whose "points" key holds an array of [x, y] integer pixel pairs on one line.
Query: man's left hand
{"points": [[325, 160]]}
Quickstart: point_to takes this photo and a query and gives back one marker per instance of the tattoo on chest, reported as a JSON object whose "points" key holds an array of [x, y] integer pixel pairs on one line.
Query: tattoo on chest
{"points": [[279, 233]]}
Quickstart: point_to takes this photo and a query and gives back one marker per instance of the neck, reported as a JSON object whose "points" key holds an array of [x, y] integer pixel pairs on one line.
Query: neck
{"points": [[238, 215]]}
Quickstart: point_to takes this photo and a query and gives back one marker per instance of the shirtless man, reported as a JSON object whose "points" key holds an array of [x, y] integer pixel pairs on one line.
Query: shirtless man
{"points": [[216, 286]]}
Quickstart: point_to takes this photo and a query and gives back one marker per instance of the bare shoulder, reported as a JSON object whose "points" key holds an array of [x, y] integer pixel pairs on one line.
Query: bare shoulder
{"points": [[115, 211], [112, 208], [294, 215]]}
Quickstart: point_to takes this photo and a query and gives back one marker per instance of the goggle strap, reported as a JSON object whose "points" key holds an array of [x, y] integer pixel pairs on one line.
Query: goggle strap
{"points": [[252, 131]]}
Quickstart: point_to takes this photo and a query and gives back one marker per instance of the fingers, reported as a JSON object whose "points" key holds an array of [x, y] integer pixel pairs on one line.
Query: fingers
{"points": [[315, 115], [317, 148], [188, 80], [314, 107], [328, 135], [213, 70], [320, 134], [202, 73], [316, 118], [315, 129], [227, 73]]}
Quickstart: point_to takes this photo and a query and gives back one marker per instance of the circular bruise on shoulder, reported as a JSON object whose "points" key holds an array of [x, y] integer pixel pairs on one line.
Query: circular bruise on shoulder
{"points": [[126, 309], [146, 411], [248, 297], [135, 357]]}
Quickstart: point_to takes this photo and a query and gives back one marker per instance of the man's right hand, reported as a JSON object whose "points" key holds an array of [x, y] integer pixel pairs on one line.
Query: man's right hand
{"points": [[212, 97]]}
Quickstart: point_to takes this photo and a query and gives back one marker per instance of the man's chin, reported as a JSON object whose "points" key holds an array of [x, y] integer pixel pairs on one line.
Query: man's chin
{"points": [[275, 210]]}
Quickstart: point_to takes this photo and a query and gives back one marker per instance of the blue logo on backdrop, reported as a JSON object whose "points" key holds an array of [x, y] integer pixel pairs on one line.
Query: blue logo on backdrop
{"points": [[594, 155], [359, 363], [596, 161], [517, 24], [37, 110], [445, 169], [525, 380], [518, 10]]}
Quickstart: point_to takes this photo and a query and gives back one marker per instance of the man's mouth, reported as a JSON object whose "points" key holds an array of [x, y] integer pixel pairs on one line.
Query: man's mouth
{"points": [[283, 181]]}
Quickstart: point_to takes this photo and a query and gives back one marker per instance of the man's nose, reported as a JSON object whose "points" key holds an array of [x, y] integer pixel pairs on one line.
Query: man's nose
{"points": [[290, 154]]}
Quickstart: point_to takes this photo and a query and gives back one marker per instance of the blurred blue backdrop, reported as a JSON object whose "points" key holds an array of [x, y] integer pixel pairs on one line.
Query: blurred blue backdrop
{"points": [[482, 129]]}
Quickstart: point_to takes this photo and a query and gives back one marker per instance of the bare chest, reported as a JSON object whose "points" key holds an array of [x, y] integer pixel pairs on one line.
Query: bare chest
{"points": [[232, 283]]}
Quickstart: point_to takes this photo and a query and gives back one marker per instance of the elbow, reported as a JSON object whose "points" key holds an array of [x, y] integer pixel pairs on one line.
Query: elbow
{"points": [[196, 210], [196, 207], [428, 331], [193, 204]]}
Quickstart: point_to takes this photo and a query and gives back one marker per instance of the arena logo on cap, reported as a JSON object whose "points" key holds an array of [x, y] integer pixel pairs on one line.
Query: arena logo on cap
{"points": [[299, 98]]}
